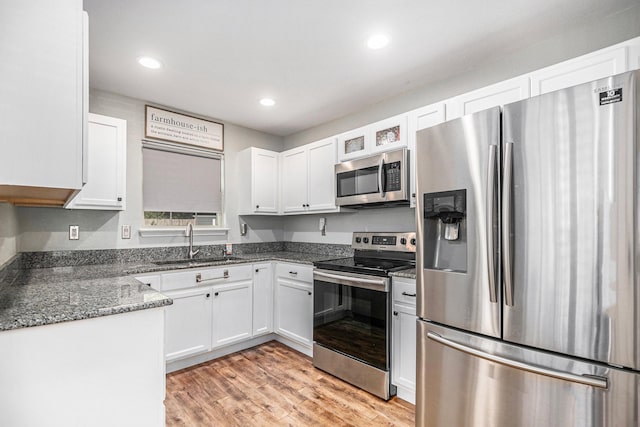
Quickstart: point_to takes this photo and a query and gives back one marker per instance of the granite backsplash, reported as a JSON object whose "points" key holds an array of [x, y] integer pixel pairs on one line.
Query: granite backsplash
{"points": [[143, 255]]}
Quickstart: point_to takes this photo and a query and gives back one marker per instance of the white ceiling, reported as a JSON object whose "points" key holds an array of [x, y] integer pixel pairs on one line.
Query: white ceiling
{"points": [[221, 57]]}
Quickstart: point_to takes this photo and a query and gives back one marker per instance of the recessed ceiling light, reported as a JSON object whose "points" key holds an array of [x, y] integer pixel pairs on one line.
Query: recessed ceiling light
{"points": [[267, 102], [147, 61], [377, 41]]}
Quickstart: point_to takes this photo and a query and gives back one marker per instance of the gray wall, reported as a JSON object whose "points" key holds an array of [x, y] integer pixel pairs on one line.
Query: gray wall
{"points": [[8, 232], [45, 229]]}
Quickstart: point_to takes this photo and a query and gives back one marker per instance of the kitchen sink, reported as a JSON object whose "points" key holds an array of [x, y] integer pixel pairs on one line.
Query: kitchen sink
{"points": [[196, 261]]}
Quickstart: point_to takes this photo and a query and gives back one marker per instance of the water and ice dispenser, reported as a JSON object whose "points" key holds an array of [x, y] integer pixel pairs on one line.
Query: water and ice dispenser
{"points": [[445, 231]]}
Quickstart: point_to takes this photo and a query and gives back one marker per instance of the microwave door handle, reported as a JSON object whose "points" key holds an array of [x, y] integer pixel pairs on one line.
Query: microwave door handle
{"points": [[381, 183]]}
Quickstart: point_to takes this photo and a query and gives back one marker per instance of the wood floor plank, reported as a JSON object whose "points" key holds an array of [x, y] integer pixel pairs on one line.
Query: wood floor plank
{"points": [[273, 385]]}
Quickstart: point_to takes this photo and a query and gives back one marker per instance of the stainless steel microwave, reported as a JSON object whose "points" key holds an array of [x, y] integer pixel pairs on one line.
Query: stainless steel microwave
{"points": [[378, 180]]}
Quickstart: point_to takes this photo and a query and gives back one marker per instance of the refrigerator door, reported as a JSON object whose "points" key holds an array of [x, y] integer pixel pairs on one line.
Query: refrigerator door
{"points": [[457, 255], [570, 283], [468, 380]]}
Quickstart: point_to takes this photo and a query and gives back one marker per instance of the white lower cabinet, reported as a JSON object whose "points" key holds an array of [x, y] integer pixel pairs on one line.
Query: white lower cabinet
{"points": [[219, 308], [188, 323], [232, 313], [403, 355], [262, 299], [294, 303]]}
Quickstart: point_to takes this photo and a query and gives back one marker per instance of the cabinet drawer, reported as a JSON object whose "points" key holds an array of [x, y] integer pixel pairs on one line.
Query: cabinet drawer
{"points": [[404, 291], [205, 277], [300, 272]]}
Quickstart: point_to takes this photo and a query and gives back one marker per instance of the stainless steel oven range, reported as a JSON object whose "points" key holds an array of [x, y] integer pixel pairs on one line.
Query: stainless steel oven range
{"points": [[352, 310]]}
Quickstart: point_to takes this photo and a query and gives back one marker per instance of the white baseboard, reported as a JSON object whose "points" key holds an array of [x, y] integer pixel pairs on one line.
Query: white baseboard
{"points": [[406, 394]]}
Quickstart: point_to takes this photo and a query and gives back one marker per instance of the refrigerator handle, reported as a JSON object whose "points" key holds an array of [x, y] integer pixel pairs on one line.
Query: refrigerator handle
{"points": [[491, 185], [506, 224], [589, 380]]}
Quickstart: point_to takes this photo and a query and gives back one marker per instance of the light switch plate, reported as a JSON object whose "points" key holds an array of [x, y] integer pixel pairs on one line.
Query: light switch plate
{"points": [[74, 232], [126, 231]]}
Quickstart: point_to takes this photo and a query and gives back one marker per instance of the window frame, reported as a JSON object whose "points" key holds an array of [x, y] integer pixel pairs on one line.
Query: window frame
{"points": [[221, 229]]}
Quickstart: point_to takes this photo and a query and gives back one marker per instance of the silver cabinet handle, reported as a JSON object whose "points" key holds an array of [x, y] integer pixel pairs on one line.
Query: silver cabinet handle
{"points": [[380, 183], [506, 223], [491, 184], [225, 274], [593, 381], [198, 278], [293, 273], [407, 294]]}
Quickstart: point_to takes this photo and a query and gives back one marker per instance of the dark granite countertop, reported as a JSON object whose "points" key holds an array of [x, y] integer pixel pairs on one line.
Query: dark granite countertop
{"points": [[41, 296]]}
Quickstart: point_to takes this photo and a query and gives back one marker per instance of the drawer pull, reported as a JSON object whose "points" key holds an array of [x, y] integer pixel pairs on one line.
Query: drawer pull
{"points": [[225, 274], [293, 273], [198, 278], [407, 294], [215, 294]]}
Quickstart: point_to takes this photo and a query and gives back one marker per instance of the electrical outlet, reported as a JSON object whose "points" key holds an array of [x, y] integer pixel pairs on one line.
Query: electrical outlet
{"points": [[126, 231], [74, 232], [229, 249]]}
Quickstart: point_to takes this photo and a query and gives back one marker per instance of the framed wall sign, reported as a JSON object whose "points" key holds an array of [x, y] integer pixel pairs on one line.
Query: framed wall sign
{"points": [[169, 126]]}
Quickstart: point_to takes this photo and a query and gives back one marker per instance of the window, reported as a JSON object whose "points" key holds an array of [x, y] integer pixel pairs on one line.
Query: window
{"points": [[181, 185]]}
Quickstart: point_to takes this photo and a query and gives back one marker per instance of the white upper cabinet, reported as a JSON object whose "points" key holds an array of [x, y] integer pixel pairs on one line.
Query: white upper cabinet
{"points": [[295, 170], [634, 54], [389, 134], [43, 100], [308, 178], [106, 174], [258, 181], [354, 143], [419, 119], [498, 94], [385, 135], [594, 66]]}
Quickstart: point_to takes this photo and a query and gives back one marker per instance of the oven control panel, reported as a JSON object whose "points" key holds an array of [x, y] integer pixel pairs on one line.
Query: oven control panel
{"points": [[402, 242]]}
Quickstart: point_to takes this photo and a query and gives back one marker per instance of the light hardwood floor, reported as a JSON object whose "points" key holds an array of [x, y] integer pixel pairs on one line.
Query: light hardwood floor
{"points": [[273, 385]]}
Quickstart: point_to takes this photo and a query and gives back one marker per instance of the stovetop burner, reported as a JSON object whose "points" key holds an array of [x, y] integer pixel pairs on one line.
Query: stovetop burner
{"points": [[389, 252]]}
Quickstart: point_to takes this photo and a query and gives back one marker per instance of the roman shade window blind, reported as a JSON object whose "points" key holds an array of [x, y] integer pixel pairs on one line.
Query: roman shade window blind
{"points": [[181, 180]]}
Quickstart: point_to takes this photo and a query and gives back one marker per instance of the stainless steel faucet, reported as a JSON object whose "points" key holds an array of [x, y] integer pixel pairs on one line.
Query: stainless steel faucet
{"points": [[192, 253]]}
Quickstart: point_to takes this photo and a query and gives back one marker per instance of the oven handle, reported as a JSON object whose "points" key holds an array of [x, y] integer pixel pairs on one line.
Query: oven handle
{"points": [[358, 282]]}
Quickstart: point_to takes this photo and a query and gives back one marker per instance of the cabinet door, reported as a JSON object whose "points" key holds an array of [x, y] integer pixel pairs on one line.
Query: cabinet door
{"points": [[42, 93], [389, 134], [231, 313], [188, 323], [353, 144], [419, 119], [294, 180], [262, 299], [294, 315], [403, 360], [321, 183], [491, 96], [583, 69], [264, 190], [107, 145]]}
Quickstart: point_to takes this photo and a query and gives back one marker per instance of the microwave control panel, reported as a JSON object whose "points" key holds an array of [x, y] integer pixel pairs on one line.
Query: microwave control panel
{"points": [[393, 177]]}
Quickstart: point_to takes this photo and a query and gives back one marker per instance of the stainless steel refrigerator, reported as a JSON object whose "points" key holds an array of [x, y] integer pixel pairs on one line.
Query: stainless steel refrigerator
{"points": [[528, 262]]}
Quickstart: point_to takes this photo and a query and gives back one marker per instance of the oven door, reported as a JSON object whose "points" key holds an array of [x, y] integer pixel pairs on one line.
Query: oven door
{"points": [[376, 179], [351, 315]]}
